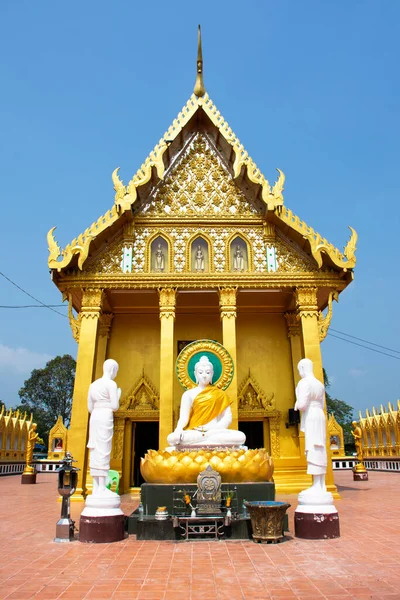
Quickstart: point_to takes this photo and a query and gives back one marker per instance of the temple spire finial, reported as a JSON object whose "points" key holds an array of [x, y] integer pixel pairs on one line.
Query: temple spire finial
{"points": [[199, 88]]}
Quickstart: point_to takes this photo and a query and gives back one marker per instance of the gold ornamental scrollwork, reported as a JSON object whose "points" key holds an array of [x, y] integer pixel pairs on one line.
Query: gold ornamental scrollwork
{"points": [[227, 302], [325, 321], [167, 300], [118, 439], [75, 322], [274, 429], [293, 324], [306, 301], [143, 401], [215, 352], [91, 303], [105, 321]]}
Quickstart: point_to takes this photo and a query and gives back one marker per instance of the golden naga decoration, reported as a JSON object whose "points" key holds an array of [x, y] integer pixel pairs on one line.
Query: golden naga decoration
{"points": [[75, 322], [325, 321], [183, 466], [272, 196], [55, 252], [199, 88], [319, 245]]}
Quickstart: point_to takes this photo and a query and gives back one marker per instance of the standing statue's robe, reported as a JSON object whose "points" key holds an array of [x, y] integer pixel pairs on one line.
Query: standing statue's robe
{"points": [[310, 400], [207, 405]]}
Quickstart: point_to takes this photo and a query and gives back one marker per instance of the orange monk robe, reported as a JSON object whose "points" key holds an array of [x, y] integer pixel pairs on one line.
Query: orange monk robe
{"points": [[207, 405]]}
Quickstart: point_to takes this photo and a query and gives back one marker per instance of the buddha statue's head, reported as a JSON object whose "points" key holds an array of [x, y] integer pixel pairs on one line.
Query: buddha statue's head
{"points": [[305, 367], [203, 371], [110, 368]]}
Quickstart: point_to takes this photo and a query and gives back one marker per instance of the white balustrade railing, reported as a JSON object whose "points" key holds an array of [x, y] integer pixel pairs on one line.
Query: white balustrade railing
{"points": [[391, 464]]}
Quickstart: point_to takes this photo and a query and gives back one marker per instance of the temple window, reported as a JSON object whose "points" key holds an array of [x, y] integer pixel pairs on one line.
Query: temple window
{"points": [[271, 259], [199, 256], [126, 263], [159, 255], [239, 261]]}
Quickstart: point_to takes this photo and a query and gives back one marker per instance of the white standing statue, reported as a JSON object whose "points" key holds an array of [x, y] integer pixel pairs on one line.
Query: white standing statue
{"points": [[103, 401], [238, 259], [160, 259], [199, 259], [310, 394], [205, 414]]}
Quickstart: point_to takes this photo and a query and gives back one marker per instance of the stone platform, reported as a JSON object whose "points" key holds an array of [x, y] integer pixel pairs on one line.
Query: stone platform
{"points": [[154, 495]]}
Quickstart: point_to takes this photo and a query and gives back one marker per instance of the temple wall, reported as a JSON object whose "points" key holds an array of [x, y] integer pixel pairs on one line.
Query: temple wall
{"points": [[135, 345], [263, 347]]}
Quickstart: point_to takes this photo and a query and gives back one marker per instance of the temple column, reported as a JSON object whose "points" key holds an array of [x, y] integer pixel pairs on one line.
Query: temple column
{"points": [[227, 304], [104, 329], [308, 315], [293, 331], [167, 298], [85, 366]]}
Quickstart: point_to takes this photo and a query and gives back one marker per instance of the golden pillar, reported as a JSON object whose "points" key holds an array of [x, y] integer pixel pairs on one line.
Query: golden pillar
{"points": [[167, 298], [85, 367], [308, 315], [227, 304], [293, 331], [103, 335]]}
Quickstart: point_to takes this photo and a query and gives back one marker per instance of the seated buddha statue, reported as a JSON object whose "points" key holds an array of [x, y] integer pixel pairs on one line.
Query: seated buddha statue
{"points": [[205, 414]]}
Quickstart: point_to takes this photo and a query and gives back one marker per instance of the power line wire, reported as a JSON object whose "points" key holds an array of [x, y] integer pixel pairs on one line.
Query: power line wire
{"points": [[362, 346], [32, 306], [366, 341], [30, 295]]}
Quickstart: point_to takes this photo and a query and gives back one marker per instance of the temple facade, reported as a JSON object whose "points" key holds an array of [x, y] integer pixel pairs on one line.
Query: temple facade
{"points": [[14, 429], [381, 431], [198, 245]]}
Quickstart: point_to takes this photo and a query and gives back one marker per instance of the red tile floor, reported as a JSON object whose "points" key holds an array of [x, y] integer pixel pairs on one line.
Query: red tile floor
{"points": [[363, 563]]}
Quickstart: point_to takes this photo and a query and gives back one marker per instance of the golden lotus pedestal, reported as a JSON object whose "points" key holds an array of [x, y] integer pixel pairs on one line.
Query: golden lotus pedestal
{"points": [[183, 466]]}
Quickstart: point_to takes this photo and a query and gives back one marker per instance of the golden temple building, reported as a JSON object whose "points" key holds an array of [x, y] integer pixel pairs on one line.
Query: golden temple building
{"points": [[14, 430], [198, 244], [381, 431]]}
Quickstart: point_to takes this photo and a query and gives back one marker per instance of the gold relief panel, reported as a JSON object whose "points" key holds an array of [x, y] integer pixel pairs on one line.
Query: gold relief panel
{"points": [[142, 402], [199, 186], [292, 259]]}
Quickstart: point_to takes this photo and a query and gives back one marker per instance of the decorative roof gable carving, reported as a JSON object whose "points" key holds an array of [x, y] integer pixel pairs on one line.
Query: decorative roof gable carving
{"points": [[146, 183], [198, 186]]}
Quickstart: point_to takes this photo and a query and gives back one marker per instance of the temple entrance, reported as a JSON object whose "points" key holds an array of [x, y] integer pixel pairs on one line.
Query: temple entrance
{"points": [[144, 436], [254, 432]]}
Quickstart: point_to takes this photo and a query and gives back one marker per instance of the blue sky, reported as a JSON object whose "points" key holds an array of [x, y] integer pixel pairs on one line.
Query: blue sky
{"points": [[309, 87]]}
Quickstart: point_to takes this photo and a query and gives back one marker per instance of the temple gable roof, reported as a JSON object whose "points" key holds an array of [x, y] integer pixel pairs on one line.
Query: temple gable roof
{"points": [[199, 126]]}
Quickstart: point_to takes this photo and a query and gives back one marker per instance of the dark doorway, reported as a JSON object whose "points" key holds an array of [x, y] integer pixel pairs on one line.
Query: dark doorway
{"points": [[145, 437], [254, 433]]}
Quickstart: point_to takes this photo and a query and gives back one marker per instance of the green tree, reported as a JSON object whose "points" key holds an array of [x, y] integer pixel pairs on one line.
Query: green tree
{"points": [[48, 393], [343, 412]]}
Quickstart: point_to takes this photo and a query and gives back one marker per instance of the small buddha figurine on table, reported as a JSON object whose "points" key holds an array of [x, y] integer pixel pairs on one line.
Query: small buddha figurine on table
{"points": [[205, 414]]}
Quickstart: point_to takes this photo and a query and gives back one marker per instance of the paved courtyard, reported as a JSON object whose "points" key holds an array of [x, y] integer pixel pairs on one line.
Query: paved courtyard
{"points": [[363, 563]]}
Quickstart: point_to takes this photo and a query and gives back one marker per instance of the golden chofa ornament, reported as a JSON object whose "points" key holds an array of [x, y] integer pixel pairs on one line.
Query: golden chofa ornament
{"points": [[199, 88], [183, 466]]}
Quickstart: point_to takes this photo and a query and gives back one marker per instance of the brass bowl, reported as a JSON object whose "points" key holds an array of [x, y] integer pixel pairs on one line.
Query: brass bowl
{"points": [[183, 466]]}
